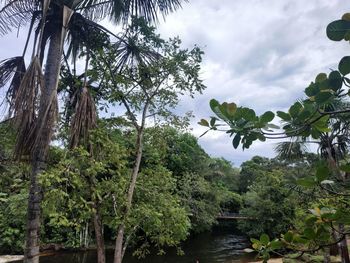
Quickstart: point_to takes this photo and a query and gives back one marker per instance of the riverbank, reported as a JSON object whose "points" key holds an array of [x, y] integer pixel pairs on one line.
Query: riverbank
{"points": [[10, 258]]}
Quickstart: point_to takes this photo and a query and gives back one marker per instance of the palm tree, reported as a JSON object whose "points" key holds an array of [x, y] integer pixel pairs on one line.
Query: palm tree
{"points": [[32, 94]]}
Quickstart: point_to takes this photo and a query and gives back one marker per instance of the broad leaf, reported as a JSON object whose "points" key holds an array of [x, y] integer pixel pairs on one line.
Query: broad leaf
{"points": [[321, 77], [335, 80], [337, 30], [312, 90], [323, 96], [267, 116], [284, 116], [231, 108], [264, 239], [322, 173], [295, 109], [236, 140], [344, 65], [276, 244], [308, 182], [288, 237], [204, 122]]}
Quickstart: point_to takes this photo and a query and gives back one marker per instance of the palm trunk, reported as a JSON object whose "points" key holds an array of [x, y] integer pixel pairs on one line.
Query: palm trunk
{"points": [[100, 245], [31, 252], [40, 151], [119, 248]]}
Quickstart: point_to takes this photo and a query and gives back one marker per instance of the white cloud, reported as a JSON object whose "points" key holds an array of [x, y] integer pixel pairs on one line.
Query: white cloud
{"points": [[260, 54]]}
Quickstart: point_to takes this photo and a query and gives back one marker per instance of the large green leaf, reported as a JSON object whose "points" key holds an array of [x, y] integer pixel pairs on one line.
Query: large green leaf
{"points": [[236, 140], [248, 114], [284, 116], [324, 96], [337, 30], [322, 172], [288, 237], [307, 182], [276, 244], [344, 65], [322, 124], [264, 239], [312, 89], [231, 108], [267, 117], [204, 122], [309, 233], [321, 77], [218, 109], [335, 80], [295, 109]]}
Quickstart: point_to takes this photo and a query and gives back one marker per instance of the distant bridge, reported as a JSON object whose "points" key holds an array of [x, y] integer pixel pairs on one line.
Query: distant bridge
{"points": [[233, 216]]}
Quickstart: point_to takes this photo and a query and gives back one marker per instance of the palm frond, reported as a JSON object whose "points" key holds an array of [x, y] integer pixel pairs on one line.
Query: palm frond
{"points": [[134, 49], [17, 13], [291, 151], [12, 69], [123, 10], [131, 53], [84, 33], [84, 120]]}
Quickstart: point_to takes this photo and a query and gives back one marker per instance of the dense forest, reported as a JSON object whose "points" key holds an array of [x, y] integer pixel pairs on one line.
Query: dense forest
{"points": [[180, 191]]}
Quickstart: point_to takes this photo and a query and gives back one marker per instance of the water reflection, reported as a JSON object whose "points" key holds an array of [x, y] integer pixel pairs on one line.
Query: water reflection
{"points": [[221, 245]]}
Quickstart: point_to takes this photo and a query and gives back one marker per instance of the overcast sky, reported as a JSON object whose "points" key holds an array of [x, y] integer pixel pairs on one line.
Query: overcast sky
{"points": [[258, 53]]}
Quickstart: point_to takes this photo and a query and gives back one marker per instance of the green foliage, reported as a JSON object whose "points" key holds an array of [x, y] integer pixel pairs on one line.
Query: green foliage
{"points": [[322, 117], [158, 211], [339, 29], [269, 205], [152, 73], [13, 195], [264, 246], [243, 122], [76, 183], [251, 170]]}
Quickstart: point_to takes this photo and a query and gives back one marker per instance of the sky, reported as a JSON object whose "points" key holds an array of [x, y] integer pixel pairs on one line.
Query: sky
{"points": [[258, 53]]}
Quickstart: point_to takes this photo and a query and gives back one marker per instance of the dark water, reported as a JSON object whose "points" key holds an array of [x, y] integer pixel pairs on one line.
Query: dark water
{"points": [[221, 245]]}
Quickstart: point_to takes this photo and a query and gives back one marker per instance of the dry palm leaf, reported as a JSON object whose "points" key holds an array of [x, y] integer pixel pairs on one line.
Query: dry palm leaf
{"points": [[84, 120], [25, 106], [12, 68]]}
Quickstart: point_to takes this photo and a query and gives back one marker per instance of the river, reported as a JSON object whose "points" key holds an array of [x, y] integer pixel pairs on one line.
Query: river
{"points": [[221, 245]]}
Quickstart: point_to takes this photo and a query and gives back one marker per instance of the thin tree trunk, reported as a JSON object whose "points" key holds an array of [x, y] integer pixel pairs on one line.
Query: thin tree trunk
{"points": [[344, 252], [342, 245], [327, 256], [334, 249], [100, 245], [118, 254], [86, 235], [40, 151]]}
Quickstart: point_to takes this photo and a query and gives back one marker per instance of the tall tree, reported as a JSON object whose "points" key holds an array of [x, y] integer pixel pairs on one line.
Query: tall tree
{"points": [[147, 78], [36, 115]]}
